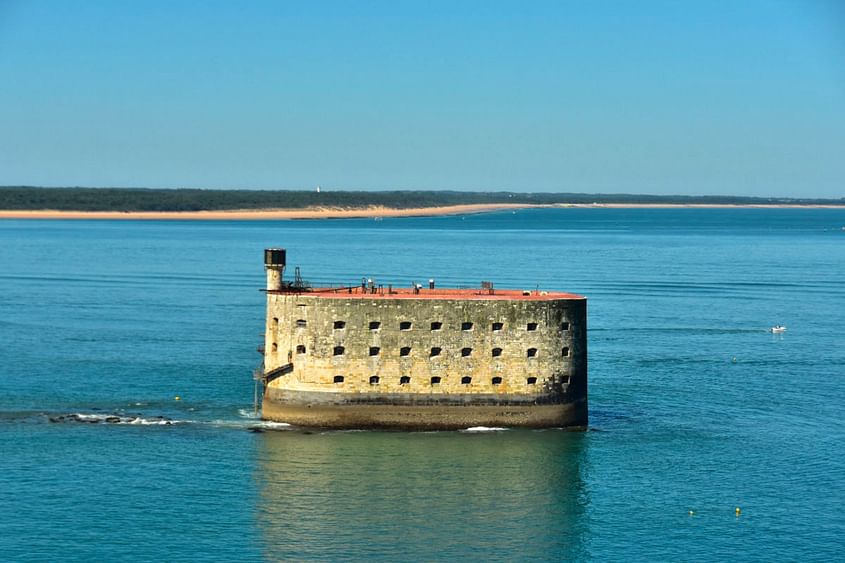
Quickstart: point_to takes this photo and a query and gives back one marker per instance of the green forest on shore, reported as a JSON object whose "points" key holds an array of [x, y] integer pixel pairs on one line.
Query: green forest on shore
{"points": [[19, 198]]}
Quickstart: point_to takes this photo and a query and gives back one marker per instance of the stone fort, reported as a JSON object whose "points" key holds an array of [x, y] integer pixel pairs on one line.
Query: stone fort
{"points": [[367, 356]]}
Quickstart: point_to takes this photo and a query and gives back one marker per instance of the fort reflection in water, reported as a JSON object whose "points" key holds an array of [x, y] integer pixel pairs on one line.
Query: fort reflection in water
{"points": [[516, 493]]}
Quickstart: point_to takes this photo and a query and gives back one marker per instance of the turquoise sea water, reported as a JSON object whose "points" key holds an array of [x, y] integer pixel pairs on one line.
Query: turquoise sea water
{"points": [[694, 405]]}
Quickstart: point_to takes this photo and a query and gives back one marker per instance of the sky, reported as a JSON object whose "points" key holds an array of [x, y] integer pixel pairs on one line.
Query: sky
{"points": [[737, 97]]}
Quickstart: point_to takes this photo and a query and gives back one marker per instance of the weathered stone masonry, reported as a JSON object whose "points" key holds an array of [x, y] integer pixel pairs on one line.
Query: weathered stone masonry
{"points": [[422, 358], [529, 345]]}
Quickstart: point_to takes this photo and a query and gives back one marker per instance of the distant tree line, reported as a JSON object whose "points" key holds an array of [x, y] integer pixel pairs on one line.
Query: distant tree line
{"points": [[145, 199]]}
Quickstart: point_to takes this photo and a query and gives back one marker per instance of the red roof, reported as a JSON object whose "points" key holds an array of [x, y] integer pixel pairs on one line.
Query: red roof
{"points": [[357, 292]]}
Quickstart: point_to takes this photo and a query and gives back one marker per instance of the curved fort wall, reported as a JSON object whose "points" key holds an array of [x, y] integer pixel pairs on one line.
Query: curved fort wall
{"points": [[373, 343], [428, 349], [421, 358]]}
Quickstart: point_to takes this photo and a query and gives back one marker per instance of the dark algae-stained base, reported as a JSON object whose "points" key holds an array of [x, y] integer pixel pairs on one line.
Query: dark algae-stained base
{"points": [[427, 412]]}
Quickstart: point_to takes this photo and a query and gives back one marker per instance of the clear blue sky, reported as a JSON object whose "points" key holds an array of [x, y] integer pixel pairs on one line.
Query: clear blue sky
{"points": [[710, 97]]}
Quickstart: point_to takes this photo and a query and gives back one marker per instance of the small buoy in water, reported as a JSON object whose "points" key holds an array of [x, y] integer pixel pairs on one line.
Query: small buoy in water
{"points": [[738, 511], [177, 398], [733, 360], [691, 513]]}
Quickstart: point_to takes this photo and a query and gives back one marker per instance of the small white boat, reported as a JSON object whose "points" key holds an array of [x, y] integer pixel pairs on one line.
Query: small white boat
{"points": [[777, 328]]}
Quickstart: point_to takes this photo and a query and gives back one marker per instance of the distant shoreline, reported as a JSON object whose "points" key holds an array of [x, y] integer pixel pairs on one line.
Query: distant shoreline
{"points": [[366, 212]]}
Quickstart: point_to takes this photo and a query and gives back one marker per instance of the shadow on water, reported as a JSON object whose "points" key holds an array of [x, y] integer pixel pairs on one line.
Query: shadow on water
{"points": [[401, 496]]}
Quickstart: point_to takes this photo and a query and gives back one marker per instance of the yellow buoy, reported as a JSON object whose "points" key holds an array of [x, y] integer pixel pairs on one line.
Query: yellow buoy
{"points": [[178, 398], [738, 511]]}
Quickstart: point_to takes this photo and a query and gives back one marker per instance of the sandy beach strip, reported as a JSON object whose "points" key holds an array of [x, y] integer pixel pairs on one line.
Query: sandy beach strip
{"points": [[267, 214], [357, 213]]}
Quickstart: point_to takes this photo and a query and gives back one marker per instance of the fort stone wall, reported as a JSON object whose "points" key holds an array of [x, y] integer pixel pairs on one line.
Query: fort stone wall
{"points": [[437, 347]]}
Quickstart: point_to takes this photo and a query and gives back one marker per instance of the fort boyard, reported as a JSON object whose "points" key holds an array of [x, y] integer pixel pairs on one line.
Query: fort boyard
{"points": [[421, 357]]}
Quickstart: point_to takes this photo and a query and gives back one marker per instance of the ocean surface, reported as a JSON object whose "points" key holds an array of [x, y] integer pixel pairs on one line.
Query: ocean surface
{"points": [[695, 409]]}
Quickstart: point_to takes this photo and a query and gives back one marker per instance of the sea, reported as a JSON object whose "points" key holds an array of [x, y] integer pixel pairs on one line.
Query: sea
{"points": [[128, 430]]}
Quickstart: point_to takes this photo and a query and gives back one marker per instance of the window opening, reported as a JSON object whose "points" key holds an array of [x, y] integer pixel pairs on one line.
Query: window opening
{"points": [[436, 325], [404, 380], [532, 380], [466, 352], [565, 352], [300, 348], [532, 352], [497, 352], [301, 323], [339, 350], [374, 325], [374, 350], [340, 324], [466, 326], [338, 379], [498, 326], [436, 351], [466, 380], [405, 325], [374, 379], [405, 351], [435, 380], [497, 380], [532, 326], [564, 325]]}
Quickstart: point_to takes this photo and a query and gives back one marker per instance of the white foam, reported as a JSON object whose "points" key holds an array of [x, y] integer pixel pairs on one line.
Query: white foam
{"points": [[264, 424], [483, 429], [150, 422], [82, 416], [248, 413], [270, 425], [118, 419]]}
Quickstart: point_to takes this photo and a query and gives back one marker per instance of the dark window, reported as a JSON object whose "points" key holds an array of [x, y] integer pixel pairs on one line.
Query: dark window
{"points": [[564, 325], [275, 322], [532, 352], [436, 351], [497, 352], [532, 380], [338, 379], [404, 380], [405, 325], [497, 380], [436, 326], [565, 352], [466, 326], [374, 380], [466, 380], [301, 322], [532, 326], [300, 349], [374, 350], [374, 325], [564, 379], [435, 380], [406, 351], [466, 352], [340, 324], [275, 347], [339, 350], [498, 326]]}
